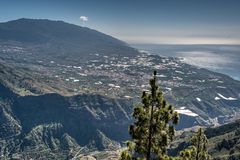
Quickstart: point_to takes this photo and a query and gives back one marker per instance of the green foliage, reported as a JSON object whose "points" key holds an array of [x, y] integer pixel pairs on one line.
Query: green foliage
{"points": [[153, 128], [198, 150], [125, 155]]}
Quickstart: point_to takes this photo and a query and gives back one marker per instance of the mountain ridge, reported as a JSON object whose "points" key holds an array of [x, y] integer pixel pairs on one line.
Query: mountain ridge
{"points": [[46, 25], [51, 122], [83, 90]]}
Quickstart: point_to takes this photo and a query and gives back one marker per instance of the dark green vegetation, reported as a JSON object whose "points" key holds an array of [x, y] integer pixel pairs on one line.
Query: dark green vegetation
{"points": [[65, 89], [223, 141], [153, 131], [198, 149], [153, 128]]}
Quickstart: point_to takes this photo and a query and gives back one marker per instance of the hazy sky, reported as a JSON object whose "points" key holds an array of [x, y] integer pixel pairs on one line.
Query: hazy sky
{"points": [[140, 21]]}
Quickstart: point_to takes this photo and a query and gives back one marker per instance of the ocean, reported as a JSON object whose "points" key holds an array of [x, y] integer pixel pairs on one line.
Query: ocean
{"points": [[218, 58]]}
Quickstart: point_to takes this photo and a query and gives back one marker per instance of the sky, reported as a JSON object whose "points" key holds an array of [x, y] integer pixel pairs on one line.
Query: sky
{"points": [[140, 21]]}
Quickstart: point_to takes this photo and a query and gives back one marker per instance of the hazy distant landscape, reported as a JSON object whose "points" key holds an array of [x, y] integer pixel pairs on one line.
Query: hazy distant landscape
{"points": [[92, 81], [219, 58], [120, 80]]}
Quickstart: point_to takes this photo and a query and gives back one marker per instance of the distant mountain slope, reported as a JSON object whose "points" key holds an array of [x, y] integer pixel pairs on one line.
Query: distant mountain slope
{"points": [[48, 37], [74, 60], [45, 31]]}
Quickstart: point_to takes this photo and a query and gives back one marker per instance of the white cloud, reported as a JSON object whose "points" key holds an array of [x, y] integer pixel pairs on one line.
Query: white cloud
{"points": [[83, 18]]}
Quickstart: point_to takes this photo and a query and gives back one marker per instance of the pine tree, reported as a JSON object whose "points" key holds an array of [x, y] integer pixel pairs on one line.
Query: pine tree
{"points": [[198, 150], [153, 128]]}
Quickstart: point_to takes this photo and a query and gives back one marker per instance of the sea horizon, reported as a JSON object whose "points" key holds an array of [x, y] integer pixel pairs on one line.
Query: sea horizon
{"points": [[221, 58]]}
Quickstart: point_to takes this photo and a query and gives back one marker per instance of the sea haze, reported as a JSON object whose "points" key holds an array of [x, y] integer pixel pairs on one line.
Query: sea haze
{"points": [[219, 58]]}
